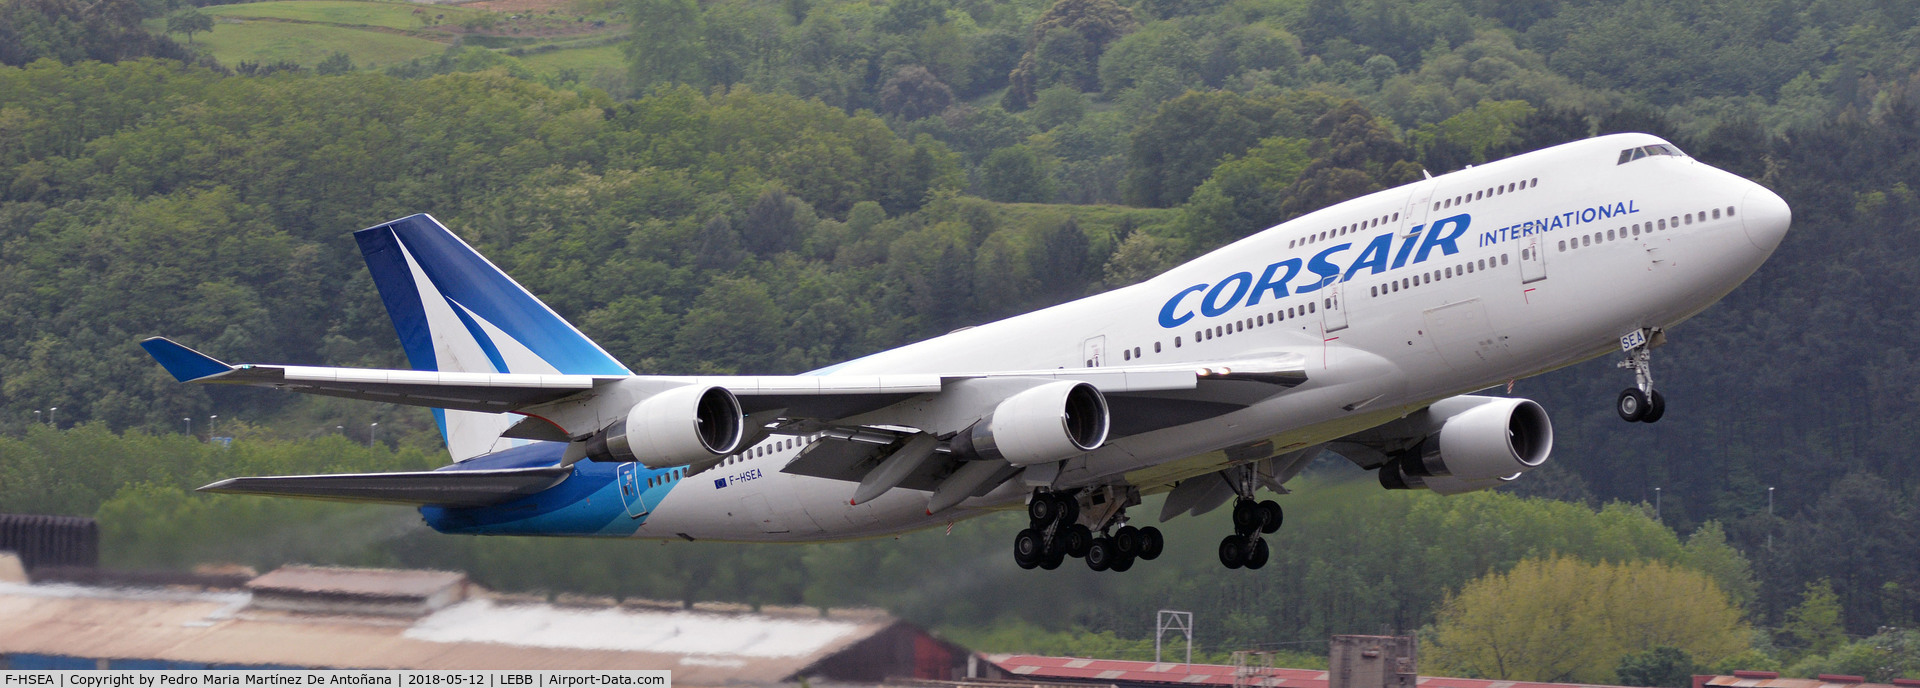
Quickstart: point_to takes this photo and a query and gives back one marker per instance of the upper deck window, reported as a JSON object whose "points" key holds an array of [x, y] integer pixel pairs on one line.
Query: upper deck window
{"points": [[1632, 154]]}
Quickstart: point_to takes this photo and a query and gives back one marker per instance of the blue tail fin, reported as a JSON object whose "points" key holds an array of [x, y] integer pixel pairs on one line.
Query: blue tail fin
{"points": [[456, 312]]}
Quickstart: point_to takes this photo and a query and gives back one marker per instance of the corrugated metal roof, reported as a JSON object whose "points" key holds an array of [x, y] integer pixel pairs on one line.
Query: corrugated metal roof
{"points": [[702, 649], [364, 582], [1756, 682], [1126, 671]]}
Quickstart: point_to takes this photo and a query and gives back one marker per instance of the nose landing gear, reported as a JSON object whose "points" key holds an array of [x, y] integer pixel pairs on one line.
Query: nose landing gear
{"points": [[1641, 403]]}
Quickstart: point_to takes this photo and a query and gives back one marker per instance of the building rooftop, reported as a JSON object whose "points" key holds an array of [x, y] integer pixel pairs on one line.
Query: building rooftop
{"points": [[254, 625], [1125, 672]]}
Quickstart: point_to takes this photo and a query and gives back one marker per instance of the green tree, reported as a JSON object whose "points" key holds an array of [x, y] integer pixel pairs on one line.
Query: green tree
{"points": [[189, 21], [913, 93], [1065, 47], [1015, 175], [1813, 627], [1661, 667], [1566, 620], [666, 45], [337, 63]]}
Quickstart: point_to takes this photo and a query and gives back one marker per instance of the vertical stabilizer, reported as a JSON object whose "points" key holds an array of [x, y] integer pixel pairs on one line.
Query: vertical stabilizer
{"points": [[456, 312]]}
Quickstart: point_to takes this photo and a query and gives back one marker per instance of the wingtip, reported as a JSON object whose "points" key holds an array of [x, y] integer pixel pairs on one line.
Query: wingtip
{"points": [[186, 365]]}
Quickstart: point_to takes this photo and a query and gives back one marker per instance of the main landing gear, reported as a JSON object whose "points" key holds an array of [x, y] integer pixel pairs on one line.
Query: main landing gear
{"points": [[1057, 531], [1245, 547], [1641, 402]]}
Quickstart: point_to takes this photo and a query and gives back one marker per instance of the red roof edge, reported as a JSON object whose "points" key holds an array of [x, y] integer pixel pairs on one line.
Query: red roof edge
{"points": [[1906, 682], [1743, 673], [1842, 678]]}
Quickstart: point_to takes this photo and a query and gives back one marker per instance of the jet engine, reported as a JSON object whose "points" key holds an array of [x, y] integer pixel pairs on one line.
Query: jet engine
{"points": [[673, 428], [1042, 424], [1475, 449]]}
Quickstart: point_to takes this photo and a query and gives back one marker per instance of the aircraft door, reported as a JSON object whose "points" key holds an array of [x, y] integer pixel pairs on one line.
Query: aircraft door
{"points": [[631, 492], [1095, 351], [1333, 307], [1533, 259], [1418, 203], [761, 513]]}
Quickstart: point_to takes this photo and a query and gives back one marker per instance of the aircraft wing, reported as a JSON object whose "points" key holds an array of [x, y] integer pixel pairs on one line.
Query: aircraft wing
{"points": [[817, 396], [442, 488]]}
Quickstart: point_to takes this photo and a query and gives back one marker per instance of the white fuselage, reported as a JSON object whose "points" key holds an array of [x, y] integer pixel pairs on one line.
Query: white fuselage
{"points": [[1563, 251]]}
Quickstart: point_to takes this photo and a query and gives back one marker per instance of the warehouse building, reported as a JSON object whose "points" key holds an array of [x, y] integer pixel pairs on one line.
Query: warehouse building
{"points": [[313, 617]]}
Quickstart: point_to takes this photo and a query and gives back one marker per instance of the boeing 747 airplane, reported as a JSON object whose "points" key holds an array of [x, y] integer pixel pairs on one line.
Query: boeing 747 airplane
{"points": [[1360, 329]]}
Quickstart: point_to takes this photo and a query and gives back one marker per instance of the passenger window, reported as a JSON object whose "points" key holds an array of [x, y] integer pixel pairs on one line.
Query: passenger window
{"points": [[1156, 347], [1176, 342], [1503, 259], [1535, 184], [1373, 291], [1609, 235], [1126, 354], [1689, 218], [1729, 211], [1563, 245], [1716, 213], [1586, 241], [1446, 273], [1309, 308]]}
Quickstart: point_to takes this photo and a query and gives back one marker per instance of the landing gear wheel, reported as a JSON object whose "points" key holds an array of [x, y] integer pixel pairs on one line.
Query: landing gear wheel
{"points": [[1271, 517], [1068, 506], [1656, 407], [1632, 405], [1100, 554], [1233, 552], [1052, 561], [1151, 543], [1257, 554], [1043, 509], [1124, 562], [1127, 541], [1246, 516], [1077, 538], [1027, 548]]}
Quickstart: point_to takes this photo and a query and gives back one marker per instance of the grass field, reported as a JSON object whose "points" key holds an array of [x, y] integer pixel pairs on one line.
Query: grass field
{"points": [[584, 61], [384, 14], [308, 44]]}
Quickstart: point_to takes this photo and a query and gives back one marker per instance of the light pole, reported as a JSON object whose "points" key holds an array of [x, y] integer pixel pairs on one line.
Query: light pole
{"points": [[1656, 505], [210, 420], [1769, 518], [53, 417], [372, 431], [37, 420], [189, 422]]}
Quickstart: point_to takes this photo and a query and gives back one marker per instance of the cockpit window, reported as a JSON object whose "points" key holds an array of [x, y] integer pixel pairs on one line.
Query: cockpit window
{"points": [[1632, 154]]}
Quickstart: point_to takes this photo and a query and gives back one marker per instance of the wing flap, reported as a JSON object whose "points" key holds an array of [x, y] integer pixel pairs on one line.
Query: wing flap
{"points": [[439, 488]]}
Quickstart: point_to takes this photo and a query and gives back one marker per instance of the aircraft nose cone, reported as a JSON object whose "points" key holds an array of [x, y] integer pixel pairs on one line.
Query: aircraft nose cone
{"points": [[1766, 217]]}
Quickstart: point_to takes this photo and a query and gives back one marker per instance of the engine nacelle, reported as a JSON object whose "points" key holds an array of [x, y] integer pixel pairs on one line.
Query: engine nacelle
{"points": [[1475, 449], [673, 428], [1043, 424]]}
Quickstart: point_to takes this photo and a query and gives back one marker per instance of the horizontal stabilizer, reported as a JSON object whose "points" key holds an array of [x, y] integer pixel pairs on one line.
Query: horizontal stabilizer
{"points": [[185, 364], [439, 488]]}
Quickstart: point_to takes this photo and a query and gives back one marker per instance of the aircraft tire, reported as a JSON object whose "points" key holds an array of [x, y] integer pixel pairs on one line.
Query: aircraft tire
{"points": [[1052, 561], [1124, 562], [1246, 516], [1079, 539], [1127, 541], [1656, 408], [1271, 517], [1100, 554], [1151, 543], [1067, 508], [1042, 510], [1257, 554], [1632, 405], [1027, 548], [1233, 552]]}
